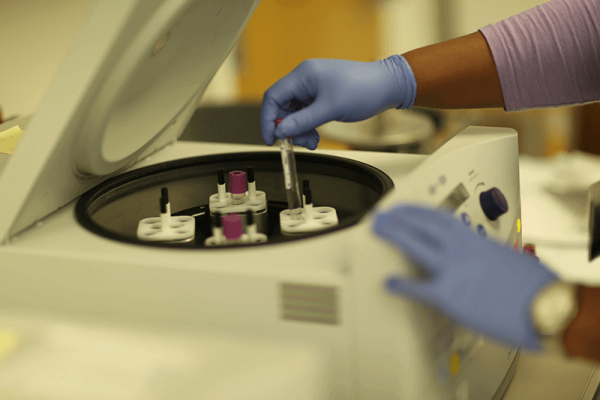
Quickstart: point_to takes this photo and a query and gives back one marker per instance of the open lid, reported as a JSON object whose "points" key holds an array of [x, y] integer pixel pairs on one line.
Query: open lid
{"points": [[126, 88]]}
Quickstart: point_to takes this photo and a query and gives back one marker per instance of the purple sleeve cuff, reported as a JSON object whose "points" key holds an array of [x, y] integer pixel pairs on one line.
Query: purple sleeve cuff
{"points": [[548, 56]]}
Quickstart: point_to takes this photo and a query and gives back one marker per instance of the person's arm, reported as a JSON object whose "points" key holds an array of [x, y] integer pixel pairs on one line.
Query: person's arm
{"points": [[459, 73], [544, 57], [548, 56]]}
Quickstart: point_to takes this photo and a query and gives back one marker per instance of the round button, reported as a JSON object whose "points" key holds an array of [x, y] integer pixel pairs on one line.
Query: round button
{"points": [[466, 220], [481, 231], [493, 203], [455, 364]]}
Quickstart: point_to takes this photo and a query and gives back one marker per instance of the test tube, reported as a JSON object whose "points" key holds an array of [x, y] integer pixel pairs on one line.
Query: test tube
{"points": [[232, 226], [292, 189], [237, 187]]}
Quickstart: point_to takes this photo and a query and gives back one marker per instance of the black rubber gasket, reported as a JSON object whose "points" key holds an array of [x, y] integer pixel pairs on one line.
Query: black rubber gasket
{"points": [[132, 181]]}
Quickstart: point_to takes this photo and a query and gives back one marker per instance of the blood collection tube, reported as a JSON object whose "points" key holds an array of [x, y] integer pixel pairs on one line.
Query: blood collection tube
{"points": [[232, 226], [292, 190], [237, 187]]}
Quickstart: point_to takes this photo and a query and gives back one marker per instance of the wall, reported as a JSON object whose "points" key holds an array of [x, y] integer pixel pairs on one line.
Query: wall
{"points": [[36, 34], [283, 33]]}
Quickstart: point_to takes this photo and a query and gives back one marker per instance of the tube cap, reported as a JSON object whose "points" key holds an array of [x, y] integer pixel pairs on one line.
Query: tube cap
{"points": [[237, 182], [232, 226]]}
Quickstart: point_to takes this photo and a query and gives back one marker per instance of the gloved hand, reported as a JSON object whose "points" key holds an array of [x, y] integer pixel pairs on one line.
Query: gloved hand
{"points": [[479, 283], [339, 90]]}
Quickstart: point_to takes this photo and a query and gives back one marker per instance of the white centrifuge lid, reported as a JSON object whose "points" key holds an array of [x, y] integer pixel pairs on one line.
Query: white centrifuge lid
{"points": [[126, 88]]}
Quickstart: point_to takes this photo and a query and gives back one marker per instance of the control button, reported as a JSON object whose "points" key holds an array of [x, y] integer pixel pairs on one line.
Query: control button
{"points": [[493, 203], [466, 220], [481, 231], [455, 364], [529, 248], [442, 179], [519, 225], [432, 189]]}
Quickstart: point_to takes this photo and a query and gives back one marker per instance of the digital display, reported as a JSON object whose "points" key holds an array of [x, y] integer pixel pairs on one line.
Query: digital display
{"points": [[455, 198]]}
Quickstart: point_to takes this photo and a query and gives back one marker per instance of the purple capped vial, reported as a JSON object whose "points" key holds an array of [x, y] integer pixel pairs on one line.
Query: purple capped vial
{"points": [[237, 187], [232, 226]]}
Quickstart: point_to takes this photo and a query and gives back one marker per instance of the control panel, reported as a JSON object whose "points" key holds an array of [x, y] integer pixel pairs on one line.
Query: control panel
{"points": [[476, 177], [469, 184]]}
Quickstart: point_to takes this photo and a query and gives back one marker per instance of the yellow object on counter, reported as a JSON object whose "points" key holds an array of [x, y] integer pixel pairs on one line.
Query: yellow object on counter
{"points": [[9, 139]]}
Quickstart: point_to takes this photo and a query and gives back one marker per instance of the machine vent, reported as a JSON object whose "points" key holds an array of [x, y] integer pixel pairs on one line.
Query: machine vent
{"points": [[309, 303]]}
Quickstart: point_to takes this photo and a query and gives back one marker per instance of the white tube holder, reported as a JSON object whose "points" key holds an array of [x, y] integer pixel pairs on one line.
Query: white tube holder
{"points": [[167, 228], [256, 204], [315, 219]]}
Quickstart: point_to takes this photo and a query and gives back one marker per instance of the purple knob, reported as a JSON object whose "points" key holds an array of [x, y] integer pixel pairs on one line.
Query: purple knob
{"points": [[493, 203], [237, 182], [232, 226]]}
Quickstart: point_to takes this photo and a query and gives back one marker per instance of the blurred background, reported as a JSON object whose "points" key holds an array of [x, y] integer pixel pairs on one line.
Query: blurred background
{"points": [[36, 34]]}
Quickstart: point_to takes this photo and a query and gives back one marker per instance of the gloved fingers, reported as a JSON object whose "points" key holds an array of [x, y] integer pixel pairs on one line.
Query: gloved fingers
{"points": [[287, 91], [418, 290], [305, 120], [310, 140], [270, 111], [412, 240]]}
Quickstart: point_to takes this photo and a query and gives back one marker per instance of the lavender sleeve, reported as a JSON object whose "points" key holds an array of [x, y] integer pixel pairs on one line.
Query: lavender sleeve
{"points": [[549, 55]]}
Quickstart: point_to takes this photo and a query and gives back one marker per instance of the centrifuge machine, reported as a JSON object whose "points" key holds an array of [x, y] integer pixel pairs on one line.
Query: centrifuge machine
{"points": [[90, 308]]}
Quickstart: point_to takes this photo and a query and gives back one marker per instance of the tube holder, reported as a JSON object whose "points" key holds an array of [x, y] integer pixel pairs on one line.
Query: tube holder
{"points": [[244, 239], [256, 204], [319, 218], [181, 228]]}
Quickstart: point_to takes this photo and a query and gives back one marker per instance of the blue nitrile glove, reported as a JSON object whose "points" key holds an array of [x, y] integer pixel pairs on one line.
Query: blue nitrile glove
{"points": [[334, 90], [479, 283]]}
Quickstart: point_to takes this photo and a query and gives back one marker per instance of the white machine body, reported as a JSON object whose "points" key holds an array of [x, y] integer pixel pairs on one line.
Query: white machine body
{"points": [[93, 318], [374, 345]]}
